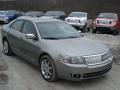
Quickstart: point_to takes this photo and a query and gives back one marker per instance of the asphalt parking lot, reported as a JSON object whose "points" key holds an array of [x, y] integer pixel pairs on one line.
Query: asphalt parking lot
{"points": [[17, 74]]}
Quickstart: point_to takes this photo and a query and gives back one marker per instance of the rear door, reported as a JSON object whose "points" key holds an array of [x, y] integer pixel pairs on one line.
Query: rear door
{"points": [[15, 35]]}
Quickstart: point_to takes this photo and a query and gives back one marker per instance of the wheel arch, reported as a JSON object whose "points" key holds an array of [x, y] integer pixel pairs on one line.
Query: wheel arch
{"points": [[4, 38], [42, 54]]}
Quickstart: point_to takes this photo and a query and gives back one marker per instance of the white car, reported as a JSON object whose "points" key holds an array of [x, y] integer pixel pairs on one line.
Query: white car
{"points": [[79, 19]]}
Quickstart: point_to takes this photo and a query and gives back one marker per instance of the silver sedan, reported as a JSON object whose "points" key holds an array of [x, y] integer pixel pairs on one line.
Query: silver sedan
{"points": [[57, 48]]}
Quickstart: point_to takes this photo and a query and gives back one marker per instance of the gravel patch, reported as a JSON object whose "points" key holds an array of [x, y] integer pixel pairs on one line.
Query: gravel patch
{"points": [[3, 79]]}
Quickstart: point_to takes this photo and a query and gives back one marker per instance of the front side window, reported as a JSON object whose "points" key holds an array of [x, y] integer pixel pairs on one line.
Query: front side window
{"points": [[78, 14], [17, 25], [29, 28]]}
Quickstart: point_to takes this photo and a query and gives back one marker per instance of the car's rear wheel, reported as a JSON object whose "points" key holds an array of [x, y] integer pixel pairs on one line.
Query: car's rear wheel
{"points": [[6, 48], [84, 28], [115, 32], [94, 31], [48, 69]]}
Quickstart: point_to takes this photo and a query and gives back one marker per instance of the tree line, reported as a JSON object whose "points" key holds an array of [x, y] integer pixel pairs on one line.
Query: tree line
{"points": [[91, 6]]}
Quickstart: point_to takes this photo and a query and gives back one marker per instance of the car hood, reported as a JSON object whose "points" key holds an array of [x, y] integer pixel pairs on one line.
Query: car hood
{"points": [[77, 18], [76, 46], [106, 19]]}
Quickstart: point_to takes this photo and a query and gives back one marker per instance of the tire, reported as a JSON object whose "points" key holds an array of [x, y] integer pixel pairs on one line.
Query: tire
{"points": [[89, 29], [94, 31], [84, 29], [115, 32], [47, 68], [6, 48]]}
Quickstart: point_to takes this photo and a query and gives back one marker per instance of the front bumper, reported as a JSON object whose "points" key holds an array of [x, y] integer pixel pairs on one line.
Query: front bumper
{"points": [[3, 20], [105, 28], [79, 72], [76, 24]]}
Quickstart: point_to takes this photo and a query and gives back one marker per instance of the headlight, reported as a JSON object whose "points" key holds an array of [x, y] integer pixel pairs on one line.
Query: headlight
{"points": [[6, 17], [72, 60], [106, 56]]}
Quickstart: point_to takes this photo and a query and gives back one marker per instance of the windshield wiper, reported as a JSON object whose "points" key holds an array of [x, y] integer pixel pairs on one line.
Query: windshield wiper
{"points": [[52, 38], [72, 37]]}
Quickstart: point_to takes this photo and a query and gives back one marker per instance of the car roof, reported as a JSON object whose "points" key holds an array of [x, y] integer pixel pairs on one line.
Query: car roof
{"points": [[55, 11], [80, 12], [37, 19], [2, 11], [108, 13], [34, 11]]}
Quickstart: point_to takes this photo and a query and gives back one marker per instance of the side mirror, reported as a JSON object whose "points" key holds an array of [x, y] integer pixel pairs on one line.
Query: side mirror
{"points": [[30, 36]]}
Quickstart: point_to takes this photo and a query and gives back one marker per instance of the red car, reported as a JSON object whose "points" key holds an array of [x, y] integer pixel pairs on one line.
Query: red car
{"points": [[107, 23]]}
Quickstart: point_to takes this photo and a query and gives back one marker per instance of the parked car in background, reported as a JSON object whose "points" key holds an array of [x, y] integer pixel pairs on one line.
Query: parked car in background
{"points": [[57, 48], [107, 23], [34, 13], [9, 15], [22, 13], [80, 20], [2, 12], [55, 15]]}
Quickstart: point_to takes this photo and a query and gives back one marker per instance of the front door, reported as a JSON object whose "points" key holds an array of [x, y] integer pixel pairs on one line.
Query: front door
{"points": [[30, 47]]}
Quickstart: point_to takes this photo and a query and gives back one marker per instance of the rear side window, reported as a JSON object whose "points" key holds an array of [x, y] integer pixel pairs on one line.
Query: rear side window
{"points": [[17, 25]]}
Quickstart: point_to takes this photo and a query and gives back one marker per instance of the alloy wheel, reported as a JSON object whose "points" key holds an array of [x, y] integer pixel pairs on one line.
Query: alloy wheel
{"points": [[46, 69], [6, 47]]}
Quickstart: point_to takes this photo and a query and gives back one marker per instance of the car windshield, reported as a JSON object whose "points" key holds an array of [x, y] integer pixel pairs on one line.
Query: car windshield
{"points": [[10, 12], [57, 30], [34, 13], [108, 16], [54, 13], [78, 14]]}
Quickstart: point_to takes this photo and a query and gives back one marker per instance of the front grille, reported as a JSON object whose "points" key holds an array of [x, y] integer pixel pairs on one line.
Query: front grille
{"points": [[92, 60], [88, 75], [96, 59], [2, 17]]}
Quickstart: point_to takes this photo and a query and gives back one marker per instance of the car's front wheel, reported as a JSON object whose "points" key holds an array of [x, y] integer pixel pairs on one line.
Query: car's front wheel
{"points": [[48, 69], [6, 48]]}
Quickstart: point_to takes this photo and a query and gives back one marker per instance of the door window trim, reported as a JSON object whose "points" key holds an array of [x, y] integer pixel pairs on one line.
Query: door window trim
{"points": [[33, 25]]}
